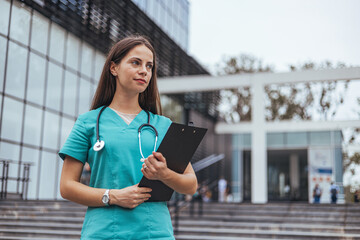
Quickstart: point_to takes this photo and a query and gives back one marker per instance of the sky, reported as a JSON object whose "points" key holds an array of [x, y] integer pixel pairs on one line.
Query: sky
{"points": [[280, 32]]}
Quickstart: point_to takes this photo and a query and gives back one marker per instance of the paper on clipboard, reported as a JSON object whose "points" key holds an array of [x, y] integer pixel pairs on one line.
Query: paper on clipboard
{"points": [[178, 147]]}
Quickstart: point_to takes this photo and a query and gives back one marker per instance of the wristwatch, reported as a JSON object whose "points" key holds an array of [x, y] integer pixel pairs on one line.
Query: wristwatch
{"points": [[105, 198]]}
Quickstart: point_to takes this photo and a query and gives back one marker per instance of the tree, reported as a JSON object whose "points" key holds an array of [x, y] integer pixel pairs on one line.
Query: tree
{"points": [[235, 104]]}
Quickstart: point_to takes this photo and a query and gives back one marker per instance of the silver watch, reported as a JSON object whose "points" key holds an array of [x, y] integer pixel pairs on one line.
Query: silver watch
{"points": [[105, 198]]}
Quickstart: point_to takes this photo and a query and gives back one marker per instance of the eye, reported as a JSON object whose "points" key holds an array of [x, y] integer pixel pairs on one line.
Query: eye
{"points": [[149, 66], [135, 62]]}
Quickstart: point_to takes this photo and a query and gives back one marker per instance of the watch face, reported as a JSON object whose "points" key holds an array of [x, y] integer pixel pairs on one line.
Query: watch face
{"points": [[105, 199]]}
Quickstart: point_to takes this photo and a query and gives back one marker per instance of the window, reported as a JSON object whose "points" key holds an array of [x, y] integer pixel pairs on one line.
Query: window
{"points": [[16, 70], [32, 127], [20, 23], [47, 175], [53, 89], [31, 155], [39, 33], [72, 52], [12, 120], [99, 65], [51, 130], [4, 16], [70, 93], [84, 96], [296, 139], [2, 59], [87, 60], [57, 42], [66, 126], [36, 79]]}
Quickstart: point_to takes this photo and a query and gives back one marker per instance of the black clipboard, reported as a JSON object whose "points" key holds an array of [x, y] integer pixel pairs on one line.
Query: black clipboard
{"points": [[178, 147]]}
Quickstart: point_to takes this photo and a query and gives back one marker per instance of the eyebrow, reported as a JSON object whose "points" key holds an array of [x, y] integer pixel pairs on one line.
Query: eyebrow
{"points": [[139, 59]]}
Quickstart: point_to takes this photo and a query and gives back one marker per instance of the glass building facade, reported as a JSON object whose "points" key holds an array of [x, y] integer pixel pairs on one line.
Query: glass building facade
{"points": [[51, 57], [171, 15], [47, 78]]}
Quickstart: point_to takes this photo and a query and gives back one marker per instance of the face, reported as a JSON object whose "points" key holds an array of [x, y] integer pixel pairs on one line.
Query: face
{"points": [[134, 72]]}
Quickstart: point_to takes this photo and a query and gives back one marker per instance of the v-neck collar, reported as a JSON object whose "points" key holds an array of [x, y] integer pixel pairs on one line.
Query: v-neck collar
{"points": [[138, 119]]}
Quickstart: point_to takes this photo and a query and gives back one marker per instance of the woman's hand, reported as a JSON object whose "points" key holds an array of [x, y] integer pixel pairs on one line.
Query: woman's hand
{"points": [[155, 167], [129, 197]]}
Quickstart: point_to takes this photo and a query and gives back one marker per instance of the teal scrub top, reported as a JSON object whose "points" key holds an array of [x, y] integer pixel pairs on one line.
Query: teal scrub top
{"points": [[118, 166]]}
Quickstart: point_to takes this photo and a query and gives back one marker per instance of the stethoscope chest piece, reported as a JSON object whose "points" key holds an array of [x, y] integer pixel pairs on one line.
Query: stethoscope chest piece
{"points": [[98, 145]]}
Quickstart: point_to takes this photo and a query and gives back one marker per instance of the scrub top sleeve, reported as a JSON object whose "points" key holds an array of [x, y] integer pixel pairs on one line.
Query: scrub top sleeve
{"points": [[77, 144]]}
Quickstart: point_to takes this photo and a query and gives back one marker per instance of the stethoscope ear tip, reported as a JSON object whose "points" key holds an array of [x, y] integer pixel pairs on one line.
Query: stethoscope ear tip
{"points": [[98, 145]]}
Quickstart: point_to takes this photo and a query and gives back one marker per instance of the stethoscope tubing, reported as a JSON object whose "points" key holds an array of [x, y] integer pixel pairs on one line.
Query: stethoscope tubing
{"points": [[100, 143]]}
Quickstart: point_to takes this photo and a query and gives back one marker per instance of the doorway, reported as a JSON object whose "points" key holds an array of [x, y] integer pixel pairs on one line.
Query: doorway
{"points": [[287, 175]]}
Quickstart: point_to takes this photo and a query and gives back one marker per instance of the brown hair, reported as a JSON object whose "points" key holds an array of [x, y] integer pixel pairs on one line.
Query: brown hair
{"points": [[149, 99]]}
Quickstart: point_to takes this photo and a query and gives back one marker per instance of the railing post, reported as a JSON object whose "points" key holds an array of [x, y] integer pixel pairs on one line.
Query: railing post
{"points": [[176, 224]]}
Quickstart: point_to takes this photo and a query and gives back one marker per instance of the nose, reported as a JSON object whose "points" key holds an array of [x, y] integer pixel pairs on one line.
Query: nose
{"points": [[143, 70]]}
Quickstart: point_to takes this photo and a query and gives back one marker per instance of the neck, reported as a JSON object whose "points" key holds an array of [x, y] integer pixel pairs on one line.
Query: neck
{"points": [[126, 103]]}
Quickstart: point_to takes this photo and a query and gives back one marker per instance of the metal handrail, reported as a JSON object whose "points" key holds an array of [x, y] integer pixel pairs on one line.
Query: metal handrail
{"points": [[198, 166], [5, 177]]}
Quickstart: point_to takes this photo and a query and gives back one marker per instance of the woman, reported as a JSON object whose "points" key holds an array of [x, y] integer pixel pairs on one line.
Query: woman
{"points": [[117, 207]]}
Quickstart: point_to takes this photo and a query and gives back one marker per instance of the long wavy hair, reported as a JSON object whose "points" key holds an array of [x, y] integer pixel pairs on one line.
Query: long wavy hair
{"points": [[149, 99]]}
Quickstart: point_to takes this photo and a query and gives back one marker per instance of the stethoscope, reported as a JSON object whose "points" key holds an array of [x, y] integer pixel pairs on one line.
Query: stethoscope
{"points": [[100, 144]]}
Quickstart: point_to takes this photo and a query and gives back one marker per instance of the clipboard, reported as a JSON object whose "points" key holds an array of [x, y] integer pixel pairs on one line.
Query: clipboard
{"points": [[178, 147]]}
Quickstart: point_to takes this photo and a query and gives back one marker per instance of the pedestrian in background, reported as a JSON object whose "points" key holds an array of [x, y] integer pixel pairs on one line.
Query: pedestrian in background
{"points": [[317, 193], [334, 190]]}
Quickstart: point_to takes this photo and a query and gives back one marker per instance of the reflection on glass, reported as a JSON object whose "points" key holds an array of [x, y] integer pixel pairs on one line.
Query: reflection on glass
{"points": [[66, 126], [57, 40], [84, 97], [36, 79], [16, 70], [53, 88], [12, 120], [72, 51], [99, 64], [47, 175], [9, 151], [297, 139], [4, 16], [275, 139], [51, 131], [87, 59], [69, 100], [2, 59], [20, 22], [320, 138], [32, 126], [31, 155], [39, 33]]}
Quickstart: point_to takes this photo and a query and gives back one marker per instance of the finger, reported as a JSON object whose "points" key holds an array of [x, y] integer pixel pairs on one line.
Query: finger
{"points": [[150, 166], [152, 161], [145, 190], [159, 156]]}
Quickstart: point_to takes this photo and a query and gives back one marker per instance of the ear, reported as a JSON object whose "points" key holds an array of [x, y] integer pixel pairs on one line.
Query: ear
{"points": [[113, 69]]}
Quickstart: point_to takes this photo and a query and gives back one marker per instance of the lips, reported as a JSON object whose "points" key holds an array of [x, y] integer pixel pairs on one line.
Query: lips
{"points": [[139, 80]]}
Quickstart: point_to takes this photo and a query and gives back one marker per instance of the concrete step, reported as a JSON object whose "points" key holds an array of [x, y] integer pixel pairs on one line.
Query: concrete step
{"points": [[35, 233], [41, 225], [231, 232], [42, 219], [272, 226]]}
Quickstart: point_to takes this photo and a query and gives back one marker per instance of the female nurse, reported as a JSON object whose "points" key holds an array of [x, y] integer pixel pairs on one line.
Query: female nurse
{"points": [[117, 207]]}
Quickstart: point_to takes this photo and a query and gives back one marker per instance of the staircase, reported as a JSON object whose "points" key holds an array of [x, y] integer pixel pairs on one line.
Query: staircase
{"points": [[222, 221], [55, 220], [24, 220]]}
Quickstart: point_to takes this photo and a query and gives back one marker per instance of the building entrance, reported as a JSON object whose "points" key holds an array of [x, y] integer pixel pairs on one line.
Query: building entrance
{"points": [[287, 175]]}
